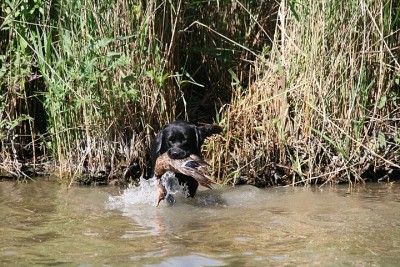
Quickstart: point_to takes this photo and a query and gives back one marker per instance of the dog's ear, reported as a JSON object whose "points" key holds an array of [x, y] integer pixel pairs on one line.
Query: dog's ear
{"points": [[204, 131], [157, 146]]}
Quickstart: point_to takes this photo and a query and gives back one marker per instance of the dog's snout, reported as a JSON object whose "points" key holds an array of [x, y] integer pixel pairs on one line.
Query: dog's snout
{"points": [[176, 154]]}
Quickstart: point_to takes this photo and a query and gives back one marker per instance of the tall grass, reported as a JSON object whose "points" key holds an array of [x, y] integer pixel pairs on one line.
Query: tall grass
{"points": [[325, 106], [104, 77], [307, 91]]}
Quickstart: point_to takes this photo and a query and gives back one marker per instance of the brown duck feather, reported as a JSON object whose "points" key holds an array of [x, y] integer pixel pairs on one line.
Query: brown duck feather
{"points": [[193, 166], [161, 192]]}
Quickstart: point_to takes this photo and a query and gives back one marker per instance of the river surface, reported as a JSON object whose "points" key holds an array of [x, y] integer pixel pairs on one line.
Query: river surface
{"points": [[46, 223]]}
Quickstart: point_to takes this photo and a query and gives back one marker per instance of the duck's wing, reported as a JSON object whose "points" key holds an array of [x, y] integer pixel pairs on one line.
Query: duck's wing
{"points": [[201, 166], [198, 171], [202, 179], [192, 164], [195, 167], [198, 160]]}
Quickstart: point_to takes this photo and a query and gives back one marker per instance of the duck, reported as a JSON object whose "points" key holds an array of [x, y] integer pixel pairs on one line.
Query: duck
{"points": [[193, 166]]}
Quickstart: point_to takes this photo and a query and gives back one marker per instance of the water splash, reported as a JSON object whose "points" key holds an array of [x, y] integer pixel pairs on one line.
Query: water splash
{"points": [[138, 203], [145, 192]]}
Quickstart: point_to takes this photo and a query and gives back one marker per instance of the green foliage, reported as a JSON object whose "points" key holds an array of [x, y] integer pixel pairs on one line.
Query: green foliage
{"points": [[89, 73], [309, 84]]}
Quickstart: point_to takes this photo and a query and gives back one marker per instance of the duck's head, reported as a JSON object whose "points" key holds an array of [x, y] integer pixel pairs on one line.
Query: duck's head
{"points": [[163, 164]]}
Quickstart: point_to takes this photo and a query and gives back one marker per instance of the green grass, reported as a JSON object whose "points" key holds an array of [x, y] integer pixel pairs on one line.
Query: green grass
{"points": [[307, 91]]}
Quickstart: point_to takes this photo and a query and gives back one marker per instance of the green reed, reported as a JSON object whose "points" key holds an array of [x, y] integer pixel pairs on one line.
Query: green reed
{"points": [[307, 91], [102, 75]]}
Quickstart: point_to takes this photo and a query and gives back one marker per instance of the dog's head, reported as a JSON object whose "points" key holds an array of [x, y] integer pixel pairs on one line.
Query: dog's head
{"points": [[181, 139]]}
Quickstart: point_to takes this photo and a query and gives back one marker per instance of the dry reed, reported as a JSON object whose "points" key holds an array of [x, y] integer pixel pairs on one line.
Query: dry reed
{"points": [[307, 92], [325, 106]]}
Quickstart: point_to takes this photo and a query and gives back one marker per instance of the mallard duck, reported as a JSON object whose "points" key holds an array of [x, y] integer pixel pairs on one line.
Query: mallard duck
{"points": [[193, 166]]}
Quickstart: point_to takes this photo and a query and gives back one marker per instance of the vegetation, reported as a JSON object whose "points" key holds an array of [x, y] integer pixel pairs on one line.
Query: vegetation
{"points": [[306, 91]]}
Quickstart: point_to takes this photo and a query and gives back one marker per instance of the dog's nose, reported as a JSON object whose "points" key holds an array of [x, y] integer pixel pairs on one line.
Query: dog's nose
{"points": [[175, 154]]}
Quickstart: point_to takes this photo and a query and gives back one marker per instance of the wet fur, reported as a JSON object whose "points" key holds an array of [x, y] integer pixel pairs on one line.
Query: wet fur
{"points": [[180, 139]]}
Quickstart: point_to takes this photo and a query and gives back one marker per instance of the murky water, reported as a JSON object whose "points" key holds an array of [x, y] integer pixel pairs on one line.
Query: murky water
{"points": [[46, 223]]}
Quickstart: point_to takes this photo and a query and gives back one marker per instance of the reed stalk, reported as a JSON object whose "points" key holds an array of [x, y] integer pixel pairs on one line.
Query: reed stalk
{"points": [[324, 107], [308, 92]]}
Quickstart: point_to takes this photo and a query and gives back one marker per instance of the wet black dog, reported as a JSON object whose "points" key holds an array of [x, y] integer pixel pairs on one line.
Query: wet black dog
{"points": [[181, 139]]}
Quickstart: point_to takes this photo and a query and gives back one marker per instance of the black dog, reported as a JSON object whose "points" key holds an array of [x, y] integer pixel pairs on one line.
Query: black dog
{"points": [[181, 139]]}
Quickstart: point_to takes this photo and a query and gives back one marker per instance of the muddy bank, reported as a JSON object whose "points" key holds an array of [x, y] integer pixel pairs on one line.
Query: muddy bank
{"points": [[124, 175]]}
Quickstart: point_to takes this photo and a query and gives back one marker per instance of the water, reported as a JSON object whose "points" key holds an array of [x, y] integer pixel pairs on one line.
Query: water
{"points": [[46, 223]]}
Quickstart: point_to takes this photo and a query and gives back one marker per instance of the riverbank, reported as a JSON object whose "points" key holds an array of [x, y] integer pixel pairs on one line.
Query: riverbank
{"points": [[131, 175], [306, 93]]}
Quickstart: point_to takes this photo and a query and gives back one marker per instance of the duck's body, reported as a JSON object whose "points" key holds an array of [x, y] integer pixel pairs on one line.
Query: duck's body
{"points": [[192, 166]]}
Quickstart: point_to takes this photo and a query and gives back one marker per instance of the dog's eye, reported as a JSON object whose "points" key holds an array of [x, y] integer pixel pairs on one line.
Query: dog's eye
{"points": [[177, 138]]}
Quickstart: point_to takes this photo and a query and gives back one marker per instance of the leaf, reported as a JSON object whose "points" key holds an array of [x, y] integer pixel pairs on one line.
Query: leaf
{"points": [[329, 140], [149, 73], [105, 41], [276, 121], [259, 129], [234, 77], [48, 47], [23, 44], [381, 140], [126, 37], [217, 118], [293, 10], [128, 78], [382, 102], [112, 54]]}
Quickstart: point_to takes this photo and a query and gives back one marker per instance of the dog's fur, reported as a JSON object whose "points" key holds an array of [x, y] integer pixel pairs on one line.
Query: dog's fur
{"points": [[180, 139]]}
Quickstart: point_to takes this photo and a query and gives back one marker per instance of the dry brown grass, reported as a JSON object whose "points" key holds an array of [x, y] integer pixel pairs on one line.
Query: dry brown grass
{"points": [[325, 106]]}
